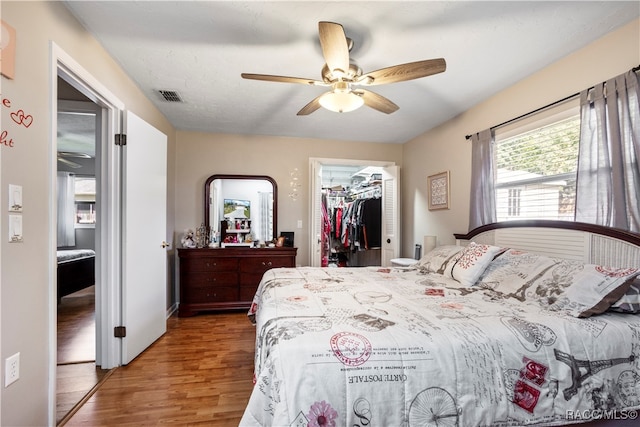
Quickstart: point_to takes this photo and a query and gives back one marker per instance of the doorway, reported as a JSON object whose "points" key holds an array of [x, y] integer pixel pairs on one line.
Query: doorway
{"points": [[344, 187], [130, 297], [77, 147]]}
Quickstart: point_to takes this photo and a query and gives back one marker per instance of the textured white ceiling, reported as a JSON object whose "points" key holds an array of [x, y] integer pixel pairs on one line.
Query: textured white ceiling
{"points": [[199, 49]]}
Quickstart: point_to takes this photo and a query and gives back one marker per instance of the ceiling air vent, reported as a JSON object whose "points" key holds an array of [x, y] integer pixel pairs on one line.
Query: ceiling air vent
{"points": [[170, 95]]}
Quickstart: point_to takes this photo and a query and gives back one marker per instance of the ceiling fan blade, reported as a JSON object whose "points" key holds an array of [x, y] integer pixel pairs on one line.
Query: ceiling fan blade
{"points": [[310, 107], [403, 72], [72, 154], [282, 79], [377, 102], [335, 47], [69, 163]]}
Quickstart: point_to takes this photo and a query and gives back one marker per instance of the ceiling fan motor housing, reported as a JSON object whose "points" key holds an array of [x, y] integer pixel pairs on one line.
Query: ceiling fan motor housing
{"points": [[330, 76]]}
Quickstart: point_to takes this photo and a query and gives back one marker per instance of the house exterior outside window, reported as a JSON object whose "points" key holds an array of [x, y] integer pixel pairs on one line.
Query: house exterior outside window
{"points": [[536, 163]]}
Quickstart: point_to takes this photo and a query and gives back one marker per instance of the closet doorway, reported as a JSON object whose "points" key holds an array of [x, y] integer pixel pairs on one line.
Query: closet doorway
{"points": [[355, 211]]}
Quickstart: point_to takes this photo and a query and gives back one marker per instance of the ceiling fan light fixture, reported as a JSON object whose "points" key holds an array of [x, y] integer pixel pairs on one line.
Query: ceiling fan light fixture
{"points": [[341, 99]]}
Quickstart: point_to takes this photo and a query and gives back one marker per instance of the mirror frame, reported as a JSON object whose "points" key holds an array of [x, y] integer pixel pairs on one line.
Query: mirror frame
{"points": [[207, 194]]}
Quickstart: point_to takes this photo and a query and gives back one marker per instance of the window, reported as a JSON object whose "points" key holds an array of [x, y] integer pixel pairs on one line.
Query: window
{"points": [[536, 163], [85, 202]]}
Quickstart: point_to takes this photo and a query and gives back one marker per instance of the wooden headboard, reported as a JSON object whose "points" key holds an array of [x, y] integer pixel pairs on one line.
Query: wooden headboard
{"points": [[592, 244]]}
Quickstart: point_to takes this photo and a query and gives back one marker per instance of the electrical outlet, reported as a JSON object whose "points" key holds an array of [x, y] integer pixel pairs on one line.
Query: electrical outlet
{"points": [[11, 369]]}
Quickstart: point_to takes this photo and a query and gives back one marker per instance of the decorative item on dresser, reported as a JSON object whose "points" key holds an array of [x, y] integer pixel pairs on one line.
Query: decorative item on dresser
{"points": [[225, 278]]}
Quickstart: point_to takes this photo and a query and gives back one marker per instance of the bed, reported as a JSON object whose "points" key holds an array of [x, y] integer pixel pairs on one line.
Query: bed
{"points": [[76, 270], [480, 333]]}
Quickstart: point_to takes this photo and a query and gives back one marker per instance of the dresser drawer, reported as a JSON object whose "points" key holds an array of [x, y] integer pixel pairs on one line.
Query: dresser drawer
{"points": [[248, 292], [200, 279], [210, 294], [259, 265], [209, 264]]}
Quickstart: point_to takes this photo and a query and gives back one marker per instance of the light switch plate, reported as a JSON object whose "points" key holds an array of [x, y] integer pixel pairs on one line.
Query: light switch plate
{"points": [[15, 228], [15, 198]]}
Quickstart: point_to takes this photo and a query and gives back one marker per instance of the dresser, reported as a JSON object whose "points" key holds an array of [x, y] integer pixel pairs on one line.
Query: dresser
{"points": [[225, 278]]}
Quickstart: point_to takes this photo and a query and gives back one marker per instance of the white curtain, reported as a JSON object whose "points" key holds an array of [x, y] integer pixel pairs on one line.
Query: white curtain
{"points": [[265, 230], [483, 196], [608, 181], [66, 209]]}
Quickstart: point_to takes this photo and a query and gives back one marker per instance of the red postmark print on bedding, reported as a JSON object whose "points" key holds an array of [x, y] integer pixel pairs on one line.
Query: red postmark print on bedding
{"points": [[525, 396], [615, 272], [533, 371], [351, 349]]}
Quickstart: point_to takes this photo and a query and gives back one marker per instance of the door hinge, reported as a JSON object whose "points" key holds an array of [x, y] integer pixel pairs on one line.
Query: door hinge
{"points": [[121, 139], [120, 331]]}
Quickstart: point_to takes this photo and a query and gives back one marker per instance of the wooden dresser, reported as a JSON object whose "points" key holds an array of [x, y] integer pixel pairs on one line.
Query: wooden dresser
{"points": [[225, 278]]}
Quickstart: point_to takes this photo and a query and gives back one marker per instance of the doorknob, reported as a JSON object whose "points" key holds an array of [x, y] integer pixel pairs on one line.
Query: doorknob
{"points": [[165, 244]]}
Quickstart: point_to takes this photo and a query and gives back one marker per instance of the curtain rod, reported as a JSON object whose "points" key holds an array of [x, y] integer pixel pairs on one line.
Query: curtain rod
{"points": [[635, 69]]}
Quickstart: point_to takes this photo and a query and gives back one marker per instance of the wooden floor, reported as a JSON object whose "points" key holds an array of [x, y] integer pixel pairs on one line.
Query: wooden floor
{"points": [[76, 373], [198, 374], [77, 327]]}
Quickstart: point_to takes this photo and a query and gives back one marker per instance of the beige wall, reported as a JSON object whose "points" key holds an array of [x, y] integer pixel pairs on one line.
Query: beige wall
{"points": [[25, 295], [445, 147], [200, 155]]}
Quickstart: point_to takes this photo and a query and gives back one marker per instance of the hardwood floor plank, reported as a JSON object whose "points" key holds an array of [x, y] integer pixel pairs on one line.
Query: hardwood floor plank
{"points": [[199, 373]]}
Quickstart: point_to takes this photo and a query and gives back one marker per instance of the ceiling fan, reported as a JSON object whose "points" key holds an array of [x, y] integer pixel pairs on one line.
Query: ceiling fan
{"points": [[344, 76]]}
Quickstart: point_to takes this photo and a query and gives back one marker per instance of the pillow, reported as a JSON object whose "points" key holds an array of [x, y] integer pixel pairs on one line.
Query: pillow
{"points": [[472, 262], [630, 301], [590, 290], [556, 284], [512, 271], [437, 260]]}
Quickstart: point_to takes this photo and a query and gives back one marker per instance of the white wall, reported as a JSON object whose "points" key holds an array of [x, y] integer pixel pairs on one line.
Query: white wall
{"points": [[445, 147], [27, 295]]}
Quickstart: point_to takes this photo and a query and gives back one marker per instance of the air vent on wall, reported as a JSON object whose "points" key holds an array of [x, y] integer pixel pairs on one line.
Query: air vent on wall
{"points": [[170, 95]]}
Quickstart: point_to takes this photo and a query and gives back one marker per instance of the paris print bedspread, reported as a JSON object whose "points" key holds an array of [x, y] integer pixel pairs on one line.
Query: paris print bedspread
{"points": [[397, 347]]}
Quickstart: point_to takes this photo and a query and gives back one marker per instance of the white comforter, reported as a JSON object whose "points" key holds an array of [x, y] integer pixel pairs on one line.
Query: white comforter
{"points": [[395, 347]]}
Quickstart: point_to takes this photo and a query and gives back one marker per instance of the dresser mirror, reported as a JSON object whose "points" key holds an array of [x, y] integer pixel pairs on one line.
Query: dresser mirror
{"points": [[246, 202]]}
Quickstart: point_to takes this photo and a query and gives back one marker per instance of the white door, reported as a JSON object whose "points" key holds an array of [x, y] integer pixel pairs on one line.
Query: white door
{"points": [[144, 287], [316, 213], [390, 214]]}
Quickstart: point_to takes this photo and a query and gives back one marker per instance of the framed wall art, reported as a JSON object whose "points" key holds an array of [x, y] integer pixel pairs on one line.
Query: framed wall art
{"points": [[438, 188]]}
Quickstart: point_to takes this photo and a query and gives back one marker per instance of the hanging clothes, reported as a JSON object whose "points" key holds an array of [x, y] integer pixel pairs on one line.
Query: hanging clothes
{"points": [[371, 222]]}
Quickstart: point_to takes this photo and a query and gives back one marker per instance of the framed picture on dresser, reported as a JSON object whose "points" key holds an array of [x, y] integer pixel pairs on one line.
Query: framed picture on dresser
{"points": [[288, 238]]}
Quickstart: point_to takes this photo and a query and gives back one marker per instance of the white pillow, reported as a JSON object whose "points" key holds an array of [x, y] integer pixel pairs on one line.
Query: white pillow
{"points": [[437, 260], [472, 262], [591, 290], [579, 289]]}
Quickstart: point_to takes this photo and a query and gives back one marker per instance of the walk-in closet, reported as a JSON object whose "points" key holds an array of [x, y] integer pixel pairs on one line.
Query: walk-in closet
{"points": [[351, 216]]}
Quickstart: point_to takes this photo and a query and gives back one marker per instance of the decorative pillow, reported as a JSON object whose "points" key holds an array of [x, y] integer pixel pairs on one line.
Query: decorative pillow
{"points": [[512, 272], [590, 290], [630, 301], [437, 260], [556, 284], [472, 262]]}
